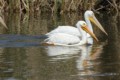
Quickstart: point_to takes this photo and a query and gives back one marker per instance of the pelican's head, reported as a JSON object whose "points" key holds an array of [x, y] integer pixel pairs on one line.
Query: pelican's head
{"points": [[83, 26], [90, 15]]}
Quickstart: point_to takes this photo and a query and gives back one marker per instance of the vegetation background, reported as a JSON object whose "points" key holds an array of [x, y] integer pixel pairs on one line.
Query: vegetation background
{"points": [[58, 6], [19, 13]]}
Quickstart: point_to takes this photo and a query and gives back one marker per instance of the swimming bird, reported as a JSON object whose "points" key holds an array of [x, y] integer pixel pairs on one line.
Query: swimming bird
{"points": [[64, 39], [89, 17]]}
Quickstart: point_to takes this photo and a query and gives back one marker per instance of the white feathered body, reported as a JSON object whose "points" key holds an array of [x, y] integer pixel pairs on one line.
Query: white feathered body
{"points": [[63, 39], [68, 35], [67, 30]]}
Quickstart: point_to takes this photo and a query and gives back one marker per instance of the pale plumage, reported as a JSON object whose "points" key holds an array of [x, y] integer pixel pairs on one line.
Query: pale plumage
{"points": [[67, 30], [62, 38], [71, 36], [70, 40], [89, 16]]}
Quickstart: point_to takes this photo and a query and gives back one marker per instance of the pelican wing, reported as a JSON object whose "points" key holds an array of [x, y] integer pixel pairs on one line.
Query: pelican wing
{"points": [[66, 29], [63, 39]]}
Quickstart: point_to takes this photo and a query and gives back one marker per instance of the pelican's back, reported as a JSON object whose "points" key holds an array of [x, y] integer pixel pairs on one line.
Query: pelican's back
{"points": [[67, 30]]}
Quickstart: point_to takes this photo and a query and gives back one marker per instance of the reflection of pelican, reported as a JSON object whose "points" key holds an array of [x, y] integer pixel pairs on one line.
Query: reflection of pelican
{"points": [[62, 50], [83, 57], [86, 61], [82, 60], [70, 40], [89, 16]]}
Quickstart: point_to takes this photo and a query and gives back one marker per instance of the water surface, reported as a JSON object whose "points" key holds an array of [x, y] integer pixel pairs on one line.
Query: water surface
{"points": [[23, 58]]}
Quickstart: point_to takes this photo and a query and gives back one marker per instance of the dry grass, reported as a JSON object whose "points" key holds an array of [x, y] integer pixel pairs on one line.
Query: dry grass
{"points": [[2, 5], [59, 6]]}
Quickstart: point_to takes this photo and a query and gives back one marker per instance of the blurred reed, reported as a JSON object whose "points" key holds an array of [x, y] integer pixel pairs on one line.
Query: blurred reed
{"points": [[58, 6], [27, 8]]}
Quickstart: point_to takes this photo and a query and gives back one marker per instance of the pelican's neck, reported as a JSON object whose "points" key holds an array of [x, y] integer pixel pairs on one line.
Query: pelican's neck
{"points": [[88, 21], [82, 32], [89, 40]]}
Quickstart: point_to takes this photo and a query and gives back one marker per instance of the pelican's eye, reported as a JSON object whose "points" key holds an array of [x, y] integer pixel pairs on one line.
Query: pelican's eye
{"points": [[83, 24]]}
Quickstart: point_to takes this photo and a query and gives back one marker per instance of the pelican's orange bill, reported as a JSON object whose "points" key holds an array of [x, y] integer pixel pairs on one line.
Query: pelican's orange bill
{"points": [[85, 28]]}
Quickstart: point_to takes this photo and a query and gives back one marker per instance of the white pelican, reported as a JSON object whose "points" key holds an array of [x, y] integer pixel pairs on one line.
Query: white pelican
{"points": [[70, 40], [89, 16]]}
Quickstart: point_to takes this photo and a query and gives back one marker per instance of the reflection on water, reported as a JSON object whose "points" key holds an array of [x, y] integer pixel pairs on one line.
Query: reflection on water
{"points": [[23, 58]]}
